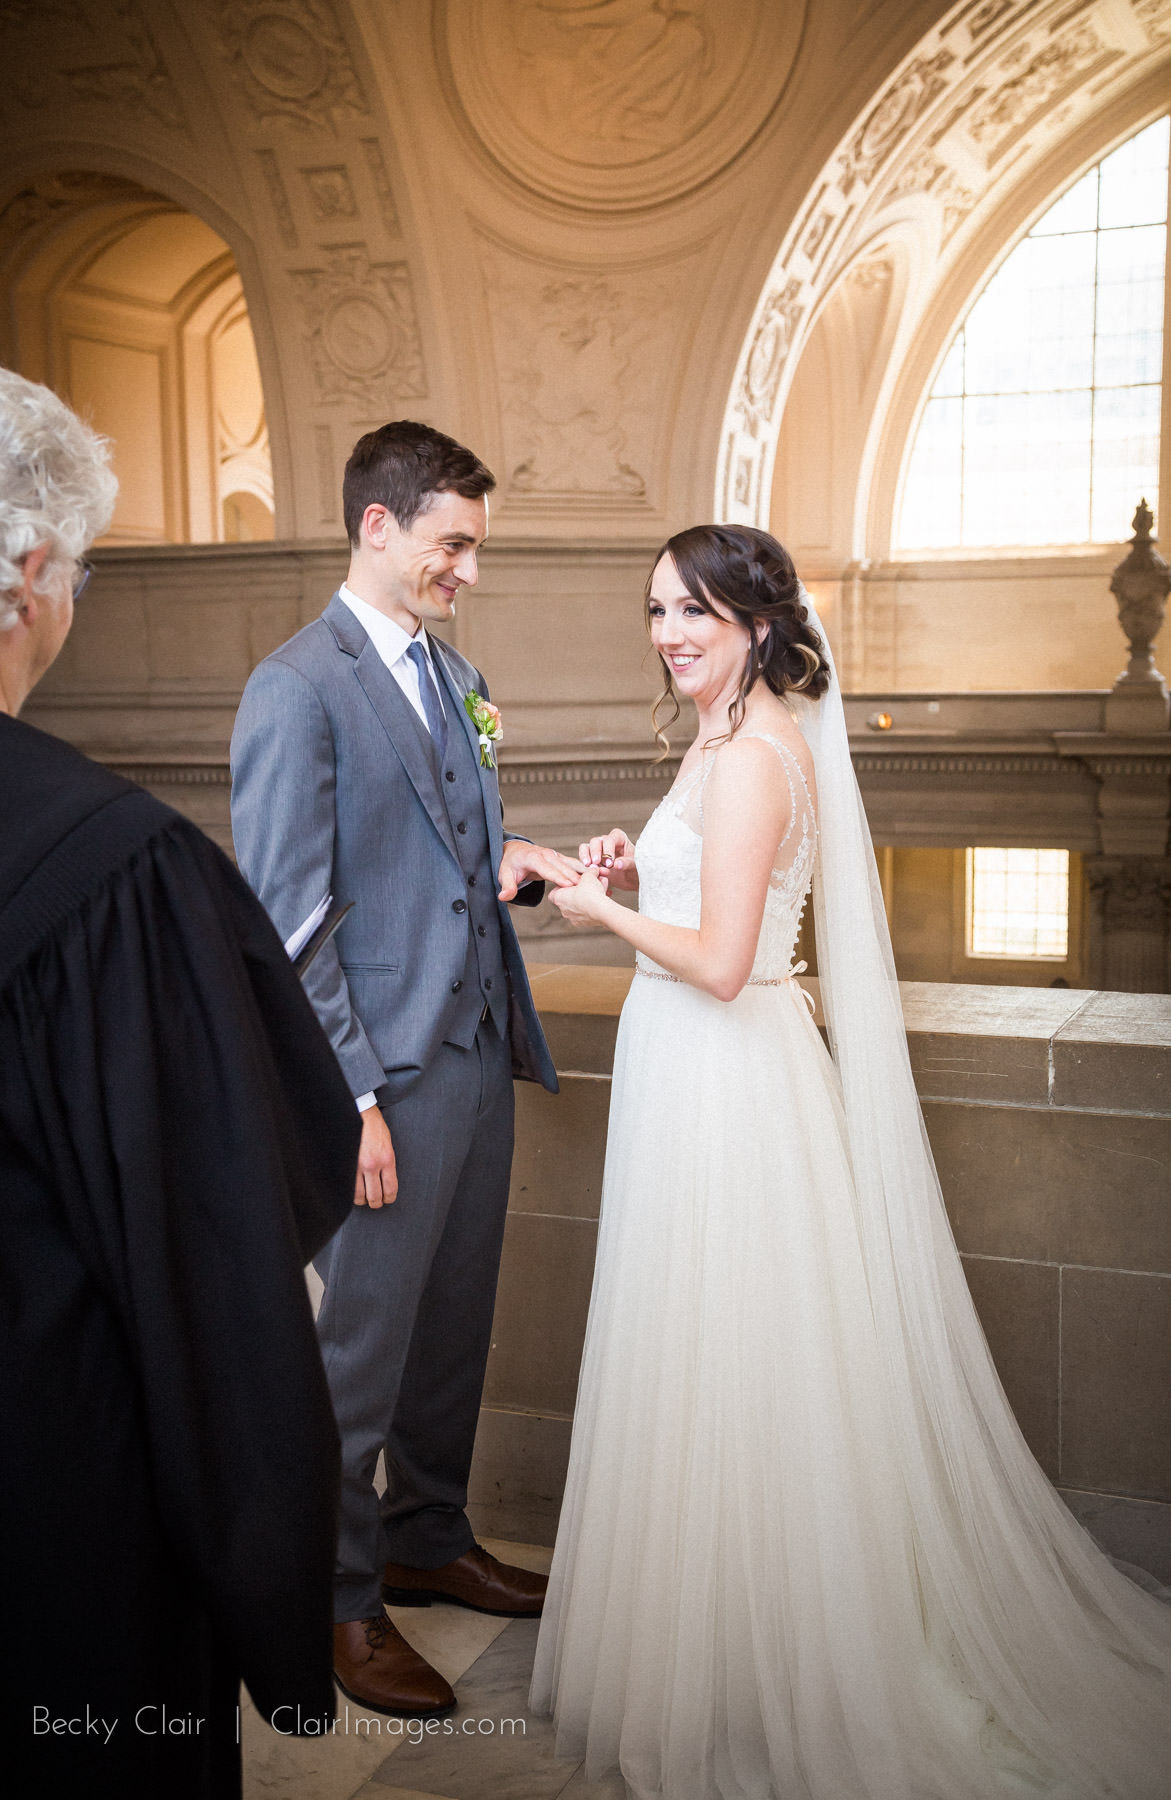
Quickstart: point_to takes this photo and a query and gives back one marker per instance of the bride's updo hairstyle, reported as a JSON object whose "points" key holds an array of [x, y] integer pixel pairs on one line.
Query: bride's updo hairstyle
{"points": [[748, 576]]}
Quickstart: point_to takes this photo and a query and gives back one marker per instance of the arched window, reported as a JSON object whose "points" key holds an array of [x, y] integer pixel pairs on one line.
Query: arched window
{"points": [[1042, 426]]}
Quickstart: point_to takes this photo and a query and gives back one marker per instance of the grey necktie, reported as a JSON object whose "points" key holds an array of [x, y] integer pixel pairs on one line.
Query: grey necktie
{"points": [[429, 694]]}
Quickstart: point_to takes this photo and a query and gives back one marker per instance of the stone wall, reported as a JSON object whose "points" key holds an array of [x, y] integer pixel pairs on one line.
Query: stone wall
{"points": [[1050, 1117]]}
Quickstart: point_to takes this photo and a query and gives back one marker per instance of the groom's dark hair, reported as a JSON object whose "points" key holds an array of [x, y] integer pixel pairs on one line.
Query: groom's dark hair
{"points": [[400, 466]]}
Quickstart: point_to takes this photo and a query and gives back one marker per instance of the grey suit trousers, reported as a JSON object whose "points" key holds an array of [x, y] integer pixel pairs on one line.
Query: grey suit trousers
{"points": [[409, 1292]]}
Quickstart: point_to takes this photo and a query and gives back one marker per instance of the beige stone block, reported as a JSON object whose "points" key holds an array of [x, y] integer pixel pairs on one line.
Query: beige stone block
{"points": [[560, 1147], [1018, 1307], [1088, 1188], [984, 1043], [1116, 1053], [518, 1477], [1116, 1382], [541, 1306]]}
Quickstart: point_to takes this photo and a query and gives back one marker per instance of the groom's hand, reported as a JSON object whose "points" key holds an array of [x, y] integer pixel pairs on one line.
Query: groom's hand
{"points": [[531, 862], [377, 1182]]}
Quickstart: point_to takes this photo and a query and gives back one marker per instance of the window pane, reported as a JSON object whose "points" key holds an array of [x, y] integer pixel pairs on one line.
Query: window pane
{"points": [[1075, 211], [1018, 903], [1033, 326], [1134, 180], [1027, 469], [1130, 306], [932, 512], [1126, 458]]}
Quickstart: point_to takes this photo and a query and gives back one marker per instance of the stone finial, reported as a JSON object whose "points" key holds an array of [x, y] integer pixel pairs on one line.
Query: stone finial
{"points": [[1140, 584]]}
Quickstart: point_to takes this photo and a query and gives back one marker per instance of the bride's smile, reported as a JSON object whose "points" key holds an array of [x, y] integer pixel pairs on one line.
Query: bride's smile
{"points": [[704, 650]]}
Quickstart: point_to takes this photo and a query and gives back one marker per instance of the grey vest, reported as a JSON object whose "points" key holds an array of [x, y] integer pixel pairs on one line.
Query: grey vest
{"points": [[484, 981]]}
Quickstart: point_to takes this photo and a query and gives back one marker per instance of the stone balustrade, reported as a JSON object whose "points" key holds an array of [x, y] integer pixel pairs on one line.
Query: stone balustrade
{"points": [[1049, 1113]]}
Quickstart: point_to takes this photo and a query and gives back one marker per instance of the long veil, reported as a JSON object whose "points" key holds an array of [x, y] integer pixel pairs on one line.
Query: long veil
{"points": [[1074, 1659]]}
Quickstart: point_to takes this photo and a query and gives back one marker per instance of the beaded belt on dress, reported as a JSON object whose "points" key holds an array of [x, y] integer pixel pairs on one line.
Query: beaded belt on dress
{"points": [[753, 980]]}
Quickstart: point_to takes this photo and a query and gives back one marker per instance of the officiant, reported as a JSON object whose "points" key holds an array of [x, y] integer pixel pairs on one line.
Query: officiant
{"points": [[176, 1141]]}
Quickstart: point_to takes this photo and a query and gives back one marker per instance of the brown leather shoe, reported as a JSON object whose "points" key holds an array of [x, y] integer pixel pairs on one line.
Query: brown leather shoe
{"points": [[375, 1666], [474, 1579]]}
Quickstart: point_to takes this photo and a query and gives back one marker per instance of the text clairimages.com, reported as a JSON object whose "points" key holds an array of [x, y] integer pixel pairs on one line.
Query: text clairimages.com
{"points": [[287, 1721]]}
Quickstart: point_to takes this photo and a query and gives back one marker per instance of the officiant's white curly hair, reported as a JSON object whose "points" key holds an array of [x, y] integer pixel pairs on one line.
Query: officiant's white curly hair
{"points": [[56, 485]]}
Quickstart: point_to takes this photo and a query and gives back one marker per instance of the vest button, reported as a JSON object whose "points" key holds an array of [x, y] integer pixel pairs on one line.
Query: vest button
{"points": [[462, 827], [482, 930], [449, 774], [456, 986], [471, 881], [459, 906], [488, 983]]}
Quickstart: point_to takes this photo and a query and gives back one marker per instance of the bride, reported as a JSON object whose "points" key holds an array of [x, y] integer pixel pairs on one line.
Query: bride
{"points": [[804, 1553]]}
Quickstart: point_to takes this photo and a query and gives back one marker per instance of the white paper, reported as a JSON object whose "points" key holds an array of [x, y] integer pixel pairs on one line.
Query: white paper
{"points": [[295, 944]]}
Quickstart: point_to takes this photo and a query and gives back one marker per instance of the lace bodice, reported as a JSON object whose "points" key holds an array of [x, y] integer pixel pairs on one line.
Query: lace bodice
{"points": [[670, 849]]}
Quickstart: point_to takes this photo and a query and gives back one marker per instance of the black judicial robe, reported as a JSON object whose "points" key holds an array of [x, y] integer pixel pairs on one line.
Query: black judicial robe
{"points": [[176, 1141]]}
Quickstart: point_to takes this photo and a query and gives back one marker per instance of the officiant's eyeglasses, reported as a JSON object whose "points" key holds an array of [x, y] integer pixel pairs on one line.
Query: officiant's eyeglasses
{"points": [[81, 579]]}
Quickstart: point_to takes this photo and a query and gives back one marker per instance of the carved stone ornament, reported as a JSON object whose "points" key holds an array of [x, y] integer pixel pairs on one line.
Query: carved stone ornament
{"points": [[331, 193], [616, 103], [290, 61], [894, 115], [778, 322], [362, 330], [582, 359], [57, 36], [380, 180], [278, 195], [1031, 79], [1140, 584], [1155, 17]]}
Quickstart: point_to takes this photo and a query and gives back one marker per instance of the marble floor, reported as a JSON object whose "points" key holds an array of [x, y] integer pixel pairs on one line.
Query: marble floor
{"points": [[490, 1748]]}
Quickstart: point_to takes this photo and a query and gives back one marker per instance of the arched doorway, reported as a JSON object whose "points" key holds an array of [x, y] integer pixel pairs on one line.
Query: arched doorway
{"points": [[133, 310]]}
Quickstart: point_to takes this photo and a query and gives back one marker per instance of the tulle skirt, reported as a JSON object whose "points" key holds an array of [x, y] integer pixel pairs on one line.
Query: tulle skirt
{"points": [[740, 1606]]}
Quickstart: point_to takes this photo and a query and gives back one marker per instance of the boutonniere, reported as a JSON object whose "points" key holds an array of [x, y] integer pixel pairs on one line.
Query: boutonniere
{"points": [[486, 719]]}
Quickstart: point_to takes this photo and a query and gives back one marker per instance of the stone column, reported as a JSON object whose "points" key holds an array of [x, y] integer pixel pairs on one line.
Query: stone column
{"points": [[1130, 923]]}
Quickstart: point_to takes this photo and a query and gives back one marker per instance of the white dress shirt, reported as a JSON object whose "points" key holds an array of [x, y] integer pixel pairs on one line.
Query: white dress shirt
{"points": [[392, 644]]}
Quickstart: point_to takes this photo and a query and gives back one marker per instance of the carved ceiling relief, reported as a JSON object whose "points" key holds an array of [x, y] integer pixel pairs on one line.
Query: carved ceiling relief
{"points": [[581, 360], [361, 330], [115, 59], [290, 61], [618, 102]]}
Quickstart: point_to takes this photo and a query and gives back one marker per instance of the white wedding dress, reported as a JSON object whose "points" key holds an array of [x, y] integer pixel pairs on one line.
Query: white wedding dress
{"points": [[804, 1552]]}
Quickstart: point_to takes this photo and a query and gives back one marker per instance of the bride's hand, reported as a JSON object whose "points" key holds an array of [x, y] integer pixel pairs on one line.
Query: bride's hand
{"points": [[613, 854], [585, 903]]}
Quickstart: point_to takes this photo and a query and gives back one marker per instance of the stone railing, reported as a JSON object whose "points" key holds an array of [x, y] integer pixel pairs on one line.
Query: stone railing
{"points": [[1050, 1116]]}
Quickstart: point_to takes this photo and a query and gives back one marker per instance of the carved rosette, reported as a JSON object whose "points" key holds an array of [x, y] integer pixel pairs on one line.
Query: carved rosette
{"points": [[362, 331], [290, 61], [618, 103]]}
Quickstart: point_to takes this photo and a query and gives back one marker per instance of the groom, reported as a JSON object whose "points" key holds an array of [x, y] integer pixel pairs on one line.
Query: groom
{"points": [[357, 772]]}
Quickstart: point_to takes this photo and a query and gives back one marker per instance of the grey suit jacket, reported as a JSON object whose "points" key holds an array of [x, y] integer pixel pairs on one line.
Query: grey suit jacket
{"points": [[334, 790]]}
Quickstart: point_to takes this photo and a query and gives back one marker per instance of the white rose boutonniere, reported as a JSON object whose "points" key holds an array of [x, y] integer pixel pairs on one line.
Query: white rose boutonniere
{"points": [[486, 719]]}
